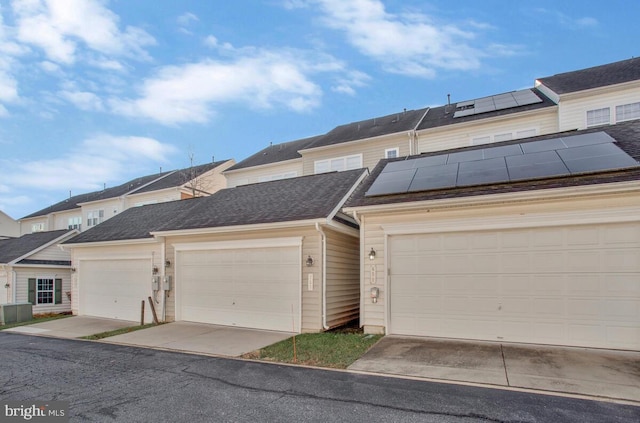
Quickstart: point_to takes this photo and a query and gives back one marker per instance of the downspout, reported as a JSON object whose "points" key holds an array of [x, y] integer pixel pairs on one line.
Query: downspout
{"points": [[323, 239], [14, 281], [361, 260]]}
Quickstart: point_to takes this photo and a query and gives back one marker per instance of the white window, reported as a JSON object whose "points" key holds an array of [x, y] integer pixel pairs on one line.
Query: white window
{"points": [[75, 223], [44, 290], [277, 176], [37, 227], [503, 137], [598, 117], [95, 217], [627, 112], [338, 164], [391, 153], [526, 133], [480, 140]]}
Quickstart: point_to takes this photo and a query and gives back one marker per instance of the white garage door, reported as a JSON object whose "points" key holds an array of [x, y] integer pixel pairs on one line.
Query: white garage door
{"points": [[253, 288], [576, 286], [114, 288]]}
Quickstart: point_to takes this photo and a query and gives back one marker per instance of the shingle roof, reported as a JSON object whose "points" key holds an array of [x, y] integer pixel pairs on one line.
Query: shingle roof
{"points": [[597, 76], [163, 180], [11, 249], [302, 198], [275, 153], [626, 134], [369, 128], [443, 115], [180, 177]]}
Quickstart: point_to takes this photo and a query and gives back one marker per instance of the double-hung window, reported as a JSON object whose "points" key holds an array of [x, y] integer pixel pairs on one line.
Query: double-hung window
{"points": [[75, 222], [338, 164], [45, 290], [627, 112], [598, 117], [391, 153], [95, 217]]}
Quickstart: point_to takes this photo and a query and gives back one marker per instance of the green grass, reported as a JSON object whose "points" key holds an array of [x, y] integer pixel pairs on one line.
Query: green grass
{"points": [[337, 350], [120, 331], [44, 318]]}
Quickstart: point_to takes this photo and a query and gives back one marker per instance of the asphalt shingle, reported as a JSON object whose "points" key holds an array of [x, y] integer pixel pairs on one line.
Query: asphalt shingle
{"points": [[11, 249]]}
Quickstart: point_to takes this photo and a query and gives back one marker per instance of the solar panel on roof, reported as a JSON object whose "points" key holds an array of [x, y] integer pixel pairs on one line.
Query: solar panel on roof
{"points": [[592, 152], [496, 102]]}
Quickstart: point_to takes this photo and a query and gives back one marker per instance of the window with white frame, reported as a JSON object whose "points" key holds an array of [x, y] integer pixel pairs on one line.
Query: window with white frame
{"points": [[598, 117], [481, 140], [44, 290], [38, 227], [75, 223], [526, 133], [95, 217], [391, 153], [627, 112], [278, 176], [338, 164], [504, 136]]}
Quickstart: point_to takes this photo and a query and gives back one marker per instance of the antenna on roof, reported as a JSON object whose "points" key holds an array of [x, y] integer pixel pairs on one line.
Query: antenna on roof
{"points": [[104, 186], [69, 193], [405, 110], [448, 99], [213, 159], [160, 169]]}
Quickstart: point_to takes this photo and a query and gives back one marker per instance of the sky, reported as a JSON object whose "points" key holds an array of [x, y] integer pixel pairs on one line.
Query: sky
{"points": [[97, 92]]}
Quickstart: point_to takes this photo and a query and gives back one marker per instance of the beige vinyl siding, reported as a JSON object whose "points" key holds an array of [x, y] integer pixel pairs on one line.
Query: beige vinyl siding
{"points": [[27, 224], [544, 121], [153, 197], [343, 278], [22, 296], [376, 226], [152, 251], [311, 310], [574, 107], [52, 252], [372, 150], [252, 175], [111, 207]]}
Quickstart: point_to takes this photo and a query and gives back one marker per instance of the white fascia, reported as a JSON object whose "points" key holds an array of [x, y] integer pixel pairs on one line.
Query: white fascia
{"points": [[262, 166], [110, 243]]}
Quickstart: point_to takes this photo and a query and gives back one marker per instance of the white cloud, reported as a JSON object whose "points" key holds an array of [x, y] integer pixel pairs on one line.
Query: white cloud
{"points": [[186, 18], [409, 44], [567, 21], [261, 79], [61, 27], [83, 100], [98, 160], [346, 84]]}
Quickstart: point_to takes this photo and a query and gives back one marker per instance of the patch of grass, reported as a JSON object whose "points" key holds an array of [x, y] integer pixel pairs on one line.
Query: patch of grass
{"points": [[120, 331], [37, 318], [336, 350]]}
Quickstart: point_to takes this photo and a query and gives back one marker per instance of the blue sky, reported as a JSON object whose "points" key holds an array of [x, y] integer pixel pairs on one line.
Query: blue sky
{"points": [[99, 92]]}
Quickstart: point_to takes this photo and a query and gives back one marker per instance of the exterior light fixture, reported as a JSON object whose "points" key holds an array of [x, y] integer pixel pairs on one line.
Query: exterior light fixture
{"points": [[73, 270], [167, 263], [155, 270], [309, 261], [372, 254]]}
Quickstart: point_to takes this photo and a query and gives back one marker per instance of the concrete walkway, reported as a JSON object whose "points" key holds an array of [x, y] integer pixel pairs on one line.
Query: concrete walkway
{"points": [[201, 338], [72, 327], [601, 373]]}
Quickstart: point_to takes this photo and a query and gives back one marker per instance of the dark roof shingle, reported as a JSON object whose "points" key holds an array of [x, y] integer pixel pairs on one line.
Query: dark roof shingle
{"points": [[275, 153], [11, 249], [302, 198], [597, 76]]}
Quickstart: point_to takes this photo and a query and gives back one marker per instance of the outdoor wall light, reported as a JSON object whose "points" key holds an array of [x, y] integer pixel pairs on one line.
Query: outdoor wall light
{"points": [[155, 270], [73, 270], [309, 261], [372, 254], [167, 263]]}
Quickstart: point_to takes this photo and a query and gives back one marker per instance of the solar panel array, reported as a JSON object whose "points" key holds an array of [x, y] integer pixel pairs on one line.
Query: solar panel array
{"points": [[496, 102], [554, 157]]}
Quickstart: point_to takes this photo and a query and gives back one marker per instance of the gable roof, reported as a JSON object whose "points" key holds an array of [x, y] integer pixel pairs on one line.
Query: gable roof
{"points": [[14, 248], [406, 120], [627, 136], [173, 179], [275, 153], [286, 200], [443, 115], [597, 76], [179, 177]]}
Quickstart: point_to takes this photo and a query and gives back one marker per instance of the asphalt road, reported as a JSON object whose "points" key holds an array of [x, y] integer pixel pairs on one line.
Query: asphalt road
{"points": [[106, 383]]}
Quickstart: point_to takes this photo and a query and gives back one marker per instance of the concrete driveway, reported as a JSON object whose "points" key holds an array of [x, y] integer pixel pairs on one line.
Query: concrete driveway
{"points": [[72, 327], [601, 373], [201, 338]]}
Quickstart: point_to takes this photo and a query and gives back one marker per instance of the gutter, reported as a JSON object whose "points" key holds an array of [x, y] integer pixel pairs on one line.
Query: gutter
{"points": [[323, 239]]}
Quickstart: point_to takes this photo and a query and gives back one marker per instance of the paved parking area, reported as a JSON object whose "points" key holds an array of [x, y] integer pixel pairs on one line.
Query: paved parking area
{"points": [[602, 373], [72, 327], [201, 338]]}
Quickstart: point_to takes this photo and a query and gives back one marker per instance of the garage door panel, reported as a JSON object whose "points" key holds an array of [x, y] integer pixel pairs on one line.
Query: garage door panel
{"points": [[247, 287], [577, 285], [114, 289]]}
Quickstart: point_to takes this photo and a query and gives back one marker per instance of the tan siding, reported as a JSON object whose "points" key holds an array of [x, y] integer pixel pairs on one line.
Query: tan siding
{"points": [[22, 296], [573, 110], [252, 175], [51, 253], [62, 218], [343, 275], [372, 151], [545, 121], [152, 197], [311, 312]]}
